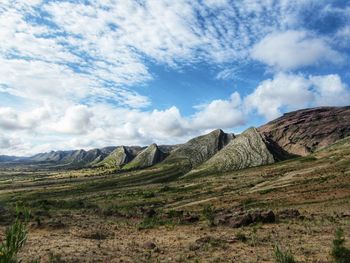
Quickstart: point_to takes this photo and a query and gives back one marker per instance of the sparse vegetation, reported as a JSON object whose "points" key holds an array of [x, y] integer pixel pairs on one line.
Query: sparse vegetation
{"points": [[340, 253], [283, 256], [209, 214], [15, 237], [241, 237], [90, 214]]}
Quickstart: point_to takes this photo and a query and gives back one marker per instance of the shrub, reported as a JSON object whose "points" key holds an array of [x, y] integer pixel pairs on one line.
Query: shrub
{"points": [[339, 252], [241, 237], [148, 222], [208, 213], [281, 256], [15, 237]]}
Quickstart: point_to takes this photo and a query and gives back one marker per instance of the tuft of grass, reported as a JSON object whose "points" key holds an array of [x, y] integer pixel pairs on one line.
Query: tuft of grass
{"points": [[241, 237], [283, 256], [209, 215], [339, 252], [15, 237]]}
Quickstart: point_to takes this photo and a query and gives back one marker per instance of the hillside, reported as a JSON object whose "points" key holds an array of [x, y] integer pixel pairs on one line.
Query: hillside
{"points": [[304, 131], [147, 157], [246, 150], [199, 149]]}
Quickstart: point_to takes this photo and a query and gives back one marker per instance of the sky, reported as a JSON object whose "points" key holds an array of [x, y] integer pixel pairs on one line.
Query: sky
{"points": [[83, 74]]}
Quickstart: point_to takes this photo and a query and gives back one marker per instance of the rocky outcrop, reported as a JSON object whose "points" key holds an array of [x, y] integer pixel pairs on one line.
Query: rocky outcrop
{"points": [[199, 149], [304, 131], [117, 158], [76, 158], [148, 157], [240, 219], [246, 150]]}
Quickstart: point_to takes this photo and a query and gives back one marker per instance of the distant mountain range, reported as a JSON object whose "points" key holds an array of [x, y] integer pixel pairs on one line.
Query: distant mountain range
{"points": [[297, 133]]}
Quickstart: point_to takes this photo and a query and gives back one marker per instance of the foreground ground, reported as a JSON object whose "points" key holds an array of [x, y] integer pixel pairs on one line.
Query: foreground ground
{"points": [[157, 215]]}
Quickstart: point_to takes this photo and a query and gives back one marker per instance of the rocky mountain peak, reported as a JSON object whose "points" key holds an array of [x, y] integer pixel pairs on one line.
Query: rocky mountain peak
{"points": [[304, 131]]}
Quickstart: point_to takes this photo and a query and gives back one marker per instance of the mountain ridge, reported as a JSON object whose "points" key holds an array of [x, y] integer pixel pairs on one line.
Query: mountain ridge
{"points": [[296, 133]]}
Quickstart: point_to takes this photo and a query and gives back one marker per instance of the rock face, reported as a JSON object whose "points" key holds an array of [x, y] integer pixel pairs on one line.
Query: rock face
{"points": [[199, 149], [246, 150], [244, 218], [304, 131], [117, 158], [148, 157], [76, 158]]}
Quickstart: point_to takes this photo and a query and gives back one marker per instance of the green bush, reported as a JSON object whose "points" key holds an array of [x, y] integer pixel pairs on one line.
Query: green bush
{"points": [[209, 214], [241, 237], [281, 256], [15, 237], [339, 252]]}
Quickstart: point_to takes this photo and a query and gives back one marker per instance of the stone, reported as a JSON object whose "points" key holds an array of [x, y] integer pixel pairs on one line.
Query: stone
{"points": [[288, 214], [240, 220], [149, 245]]}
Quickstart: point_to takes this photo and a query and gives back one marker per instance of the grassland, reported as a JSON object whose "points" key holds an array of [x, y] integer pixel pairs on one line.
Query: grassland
{"points": [[99, 215]]}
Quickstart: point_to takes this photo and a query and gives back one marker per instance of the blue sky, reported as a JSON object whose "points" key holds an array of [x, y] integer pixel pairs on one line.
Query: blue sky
{"points": [[85, 74]]}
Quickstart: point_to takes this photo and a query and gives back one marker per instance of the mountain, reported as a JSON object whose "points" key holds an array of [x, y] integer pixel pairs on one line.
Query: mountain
{"points": [[304, 131], [297, 133], [199, 149], [147, 157], [246, 150], [8, 158], [120, 156], [74, 158]]}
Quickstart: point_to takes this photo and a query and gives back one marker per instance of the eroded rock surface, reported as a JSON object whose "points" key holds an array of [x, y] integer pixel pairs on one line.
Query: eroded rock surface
{"points": [[304, 131], [148, 157], [199, 149], [246, 150], [118, 157]]}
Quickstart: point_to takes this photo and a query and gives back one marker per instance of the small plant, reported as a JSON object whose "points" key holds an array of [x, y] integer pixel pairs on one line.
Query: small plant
{"points": [[208, 213], [55, 258], [339, 252], [15, 237], [148, 222], [148, 194], [241, 237], [281, 256]]}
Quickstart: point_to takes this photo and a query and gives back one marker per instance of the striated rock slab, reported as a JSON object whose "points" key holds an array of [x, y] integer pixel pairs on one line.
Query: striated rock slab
{"points": [[117, 158], [304, 131], [246, 150], [148, 157], [199, 149]]}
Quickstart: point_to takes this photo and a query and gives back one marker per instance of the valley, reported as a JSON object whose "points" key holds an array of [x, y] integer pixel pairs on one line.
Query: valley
{"points": [[216, 198]]}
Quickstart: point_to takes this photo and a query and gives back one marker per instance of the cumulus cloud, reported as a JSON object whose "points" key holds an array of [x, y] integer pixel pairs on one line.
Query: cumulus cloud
{"points": [[286, 92], [293, 49], [76, 120], [220, 113]]}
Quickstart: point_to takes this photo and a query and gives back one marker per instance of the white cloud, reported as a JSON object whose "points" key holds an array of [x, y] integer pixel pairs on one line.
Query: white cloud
{"points": [[11, 119], [330, 90], [220, 114], [286, 92], [76, 120], [343, 35], [293, 49]]}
